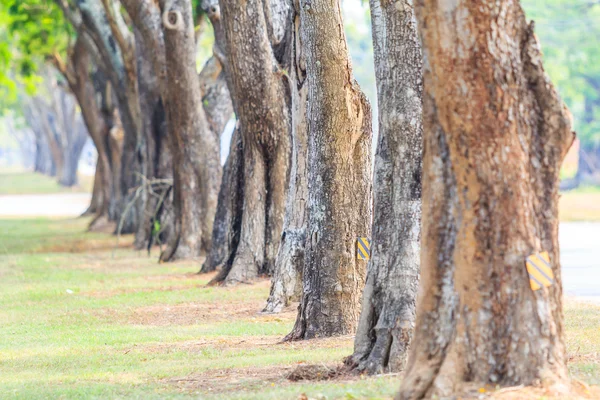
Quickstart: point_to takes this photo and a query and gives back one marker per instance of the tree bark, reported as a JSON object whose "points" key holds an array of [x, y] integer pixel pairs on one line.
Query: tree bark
{"points": [[157, 165], [228, 219], [197, 172], [388, 309], [339, 178], [286, 285], [102, 22], [257, 41], [496, 133], [82, 86], [44, 162]]}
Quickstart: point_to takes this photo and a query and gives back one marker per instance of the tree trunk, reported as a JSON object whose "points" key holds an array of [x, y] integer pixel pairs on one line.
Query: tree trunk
{"points": [[339, 178], [154, 131], [228, 219], [258, 52], [97, 191], [286, 285], [82, 86], [45, 120], [194, 146], [116, 47], [43, 163], [496, 133], [588, 168], [388, 310]]}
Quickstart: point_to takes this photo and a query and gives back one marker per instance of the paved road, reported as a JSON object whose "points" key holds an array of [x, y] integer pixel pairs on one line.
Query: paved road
{"points": [[580, 259], [44, 205], [580, 241]]}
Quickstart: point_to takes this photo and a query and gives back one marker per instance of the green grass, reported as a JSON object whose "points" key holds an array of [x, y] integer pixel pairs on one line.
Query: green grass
{"points": [[25, 182], [78, 321]]}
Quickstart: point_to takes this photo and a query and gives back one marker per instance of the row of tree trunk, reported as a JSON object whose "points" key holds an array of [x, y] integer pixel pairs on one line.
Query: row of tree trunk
{"points": [[471, 138], [59, 132]]}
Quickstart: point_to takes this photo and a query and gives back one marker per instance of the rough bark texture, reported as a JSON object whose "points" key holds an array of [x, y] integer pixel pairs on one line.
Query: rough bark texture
{"points": [[388, 310], [228, 220], [77, 75], [257, 40], [194, 208], [496, 133], [101, 21], [157, 166], [286, 285], [339, 178], [197, 172]]}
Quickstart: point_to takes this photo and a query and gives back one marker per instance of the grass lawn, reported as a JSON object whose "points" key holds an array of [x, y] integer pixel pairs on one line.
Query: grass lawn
{"points": [[13, 181], [103, 324]]}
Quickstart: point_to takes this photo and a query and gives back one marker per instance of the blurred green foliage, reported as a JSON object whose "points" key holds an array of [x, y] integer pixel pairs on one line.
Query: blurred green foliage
{"points": [[30, 32], [569, 32]]}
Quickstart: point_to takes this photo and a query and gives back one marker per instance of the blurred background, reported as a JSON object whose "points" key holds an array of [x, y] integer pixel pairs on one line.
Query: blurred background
{"points": [[48, 162]]}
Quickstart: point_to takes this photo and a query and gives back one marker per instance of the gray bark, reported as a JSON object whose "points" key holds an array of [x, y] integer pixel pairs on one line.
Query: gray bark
{"points": [[286, 285], [197, 172], [228, 220], [339, 178], [388, 310], [257, 43]]}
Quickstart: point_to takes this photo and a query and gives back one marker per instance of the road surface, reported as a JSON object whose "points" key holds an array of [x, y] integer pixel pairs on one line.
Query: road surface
{"points": [[44, 205], [580, 259], [579, 241]]}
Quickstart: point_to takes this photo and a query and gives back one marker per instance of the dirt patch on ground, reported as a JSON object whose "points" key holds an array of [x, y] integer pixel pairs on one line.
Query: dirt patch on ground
{"points": [[193, 313], [188, 313], [575, 390], [104, 294], [248, 342], [87, 245], [248, 379]]}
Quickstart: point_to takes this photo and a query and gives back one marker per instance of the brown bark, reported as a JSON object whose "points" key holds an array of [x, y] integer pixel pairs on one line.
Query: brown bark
{"points": [[108, 38], [286, 285], [496, 133], [194, 208], [339, 178], [77, 75], [157, 165], [197, 172], [388, 310], [257, 57]]}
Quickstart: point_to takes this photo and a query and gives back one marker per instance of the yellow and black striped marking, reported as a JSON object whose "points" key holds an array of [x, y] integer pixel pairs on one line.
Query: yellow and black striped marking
{"points": [[540, 271], [363, 248]]}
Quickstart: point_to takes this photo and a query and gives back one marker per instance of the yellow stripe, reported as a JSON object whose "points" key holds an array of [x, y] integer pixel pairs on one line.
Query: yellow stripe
{"points": [[537, 262], [535, 273], [545, 256], [363, 248], [534, 285], [361, 252], [364, 243]]}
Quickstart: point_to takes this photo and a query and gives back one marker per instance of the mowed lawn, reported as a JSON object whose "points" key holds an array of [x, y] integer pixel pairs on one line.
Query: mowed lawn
{"points": [[81, 320], [17, 181]]}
